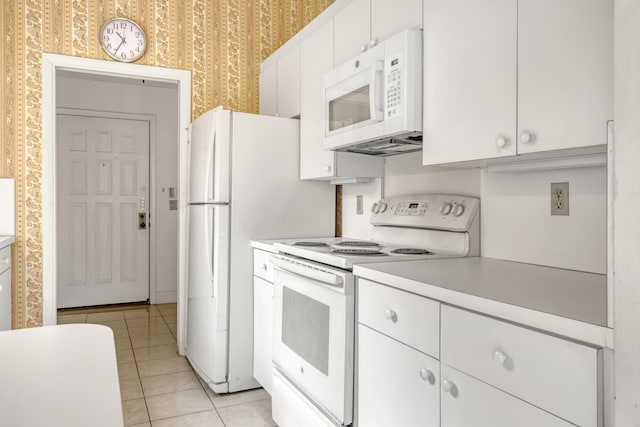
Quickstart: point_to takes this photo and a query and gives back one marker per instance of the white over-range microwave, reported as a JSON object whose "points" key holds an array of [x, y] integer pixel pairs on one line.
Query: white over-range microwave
{"points": [[373, 103]]}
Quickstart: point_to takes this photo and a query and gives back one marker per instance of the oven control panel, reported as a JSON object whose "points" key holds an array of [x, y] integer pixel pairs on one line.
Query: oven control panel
{"points": [[436, 211]]}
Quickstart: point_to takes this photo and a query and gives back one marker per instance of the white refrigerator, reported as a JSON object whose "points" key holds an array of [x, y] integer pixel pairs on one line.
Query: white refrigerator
{"points": [[243, 186]]}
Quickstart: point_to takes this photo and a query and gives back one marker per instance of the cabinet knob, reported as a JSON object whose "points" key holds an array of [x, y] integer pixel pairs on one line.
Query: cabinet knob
{"points": [[373, 42], [5, 261], [526, 137], [448, 386], [502, 142], [264, 267], [427, 375], [499, 357], [391, 315], [364, 48], [327, 168]]}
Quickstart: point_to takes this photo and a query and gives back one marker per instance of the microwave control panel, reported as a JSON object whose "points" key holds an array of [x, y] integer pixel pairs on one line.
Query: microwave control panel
{"points": [[393, 86]]}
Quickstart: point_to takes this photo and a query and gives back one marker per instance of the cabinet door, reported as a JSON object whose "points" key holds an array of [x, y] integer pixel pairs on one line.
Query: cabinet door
{"points": [[397, 385], [316, 58], [391, 17], [565, 73], [469, 402], [352, 30], [262, 332], [469, 80], [289, 84], [269, 89]]}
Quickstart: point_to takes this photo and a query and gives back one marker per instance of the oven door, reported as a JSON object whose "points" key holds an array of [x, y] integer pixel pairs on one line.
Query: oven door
{"points": [[313, 333]]}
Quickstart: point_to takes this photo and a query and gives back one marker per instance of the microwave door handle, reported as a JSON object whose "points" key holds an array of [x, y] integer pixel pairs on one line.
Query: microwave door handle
{"points": [[376, 92], [306, 271]]}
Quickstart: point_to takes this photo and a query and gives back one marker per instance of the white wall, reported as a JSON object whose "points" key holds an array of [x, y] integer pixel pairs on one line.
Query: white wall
{"points": [[517, 224], [404, 174], [354, 225], [626, 211], [160, 100]]}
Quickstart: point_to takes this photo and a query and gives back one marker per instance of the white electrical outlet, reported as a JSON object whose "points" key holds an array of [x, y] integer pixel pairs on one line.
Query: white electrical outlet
{"points": [[559, 198]]}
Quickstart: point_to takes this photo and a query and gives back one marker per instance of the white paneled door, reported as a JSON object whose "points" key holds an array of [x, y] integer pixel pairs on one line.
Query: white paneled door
{"points": [[102, 197]]}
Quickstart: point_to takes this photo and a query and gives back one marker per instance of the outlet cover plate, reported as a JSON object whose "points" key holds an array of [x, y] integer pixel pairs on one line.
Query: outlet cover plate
{"points": [[559, 198], [359, 207]]}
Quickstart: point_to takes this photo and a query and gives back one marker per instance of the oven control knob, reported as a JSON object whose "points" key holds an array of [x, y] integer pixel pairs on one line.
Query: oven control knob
{"points": [[458, 210], [445, 209], [382, 206]]}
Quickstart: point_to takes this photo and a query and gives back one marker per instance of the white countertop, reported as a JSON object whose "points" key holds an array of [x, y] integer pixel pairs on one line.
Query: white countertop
{"points": [[64, 375], [565, 302], [265, 245], [6, 240]]}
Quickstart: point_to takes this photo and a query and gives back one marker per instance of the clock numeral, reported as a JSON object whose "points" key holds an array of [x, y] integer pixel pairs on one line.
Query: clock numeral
{"points": [[108, 45], [109, 30], [137, 33], [106, 38], [123, 55], [139, 42]]}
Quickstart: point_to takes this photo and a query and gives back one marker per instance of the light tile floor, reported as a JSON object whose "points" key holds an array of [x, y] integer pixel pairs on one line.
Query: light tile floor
{"points": [[158, 387]]}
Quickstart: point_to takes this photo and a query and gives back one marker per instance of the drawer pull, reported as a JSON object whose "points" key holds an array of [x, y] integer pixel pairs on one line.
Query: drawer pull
{"points": [[390, 315], [427, 375], [500, 357], [264, 267], [449, 387]]}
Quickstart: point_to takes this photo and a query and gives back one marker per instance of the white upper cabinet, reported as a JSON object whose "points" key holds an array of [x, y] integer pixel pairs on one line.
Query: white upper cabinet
{"points": [[352, 30], [269, 89], [364, 23], [280, 85], [565, 73], [470, 79], [391, 17], [289, 84], [509, 77], [316, 58]]}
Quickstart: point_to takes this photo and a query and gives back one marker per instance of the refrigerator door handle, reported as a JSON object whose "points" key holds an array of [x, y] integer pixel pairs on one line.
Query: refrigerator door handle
{"points": [[210, 247], [211, 165]]}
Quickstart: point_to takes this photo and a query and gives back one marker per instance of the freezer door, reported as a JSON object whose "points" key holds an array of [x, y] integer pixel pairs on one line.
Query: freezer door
{"points": [[208, 289], [209, 167]]}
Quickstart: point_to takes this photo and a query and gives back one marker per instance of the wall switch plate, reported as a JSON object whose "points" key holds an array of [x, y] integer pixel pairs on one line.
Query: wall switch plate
{"points": [[359, 208], [559, 198], [173, 205]]}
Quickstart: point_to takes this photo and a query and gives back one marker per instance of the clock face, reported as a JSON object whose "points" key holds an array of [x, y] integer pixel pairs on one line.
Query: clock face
{"points": [[123, 40]]}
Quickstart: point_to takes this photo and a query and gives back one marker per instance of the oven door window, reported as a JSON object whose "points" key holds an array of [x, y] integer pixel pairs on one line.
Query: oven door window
{"points": [[305, 328]]}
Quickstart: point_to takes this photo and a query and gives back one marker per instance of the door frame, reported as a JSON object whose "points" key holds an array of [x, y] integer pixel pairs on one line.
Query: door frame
{"points": [[151, 120], [51, 63]]}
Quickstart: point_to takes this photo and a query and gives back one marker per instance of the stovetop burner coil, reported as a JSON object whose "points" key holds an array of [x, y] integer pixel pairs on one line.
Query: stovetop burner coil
{"points": [[411, 251], [311, 244], [357, 252], [357, 244]]}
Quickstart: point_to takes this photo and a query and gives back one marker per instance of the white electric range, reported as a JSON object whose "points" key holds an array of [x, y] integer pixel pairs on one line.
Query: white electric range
{"points": [[314, 319]]}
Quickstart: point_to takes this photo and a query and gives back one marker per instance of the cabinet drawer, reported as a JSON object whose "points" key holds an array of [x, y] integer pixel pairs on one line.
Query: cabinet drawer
{"points": [[409, 318], [557, 375], [5, 258], [261, 265], [469, 402]]}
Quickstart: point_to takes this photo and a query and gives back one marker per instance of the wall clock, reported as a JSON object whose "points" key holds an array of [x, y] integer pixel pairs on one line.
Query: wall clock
{"points": [[123, 40]]}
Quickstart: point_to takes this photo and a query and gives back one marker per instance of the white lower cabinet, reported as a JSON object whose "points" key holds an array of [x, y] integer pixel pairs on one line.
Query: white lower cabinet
{"points": [[490, 372], [397, 385], [467, 402], [262, 319]]}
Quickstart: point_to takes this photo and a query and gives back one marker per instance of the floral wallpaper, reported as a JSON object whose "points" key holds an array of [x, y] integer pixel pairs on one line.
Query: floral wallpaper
{"points": [[221, 42]]}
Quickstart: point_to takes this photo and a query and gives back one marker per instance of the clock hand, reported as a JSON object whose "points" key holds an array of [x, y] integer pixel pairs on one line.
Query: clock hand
{"points": [[121, 43], [121, 38]]}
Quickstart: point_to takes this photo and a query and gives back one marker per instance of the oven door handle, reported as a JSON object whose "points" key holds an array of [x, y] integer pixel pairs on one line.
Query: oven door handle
{"points": [[305, 270]]}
